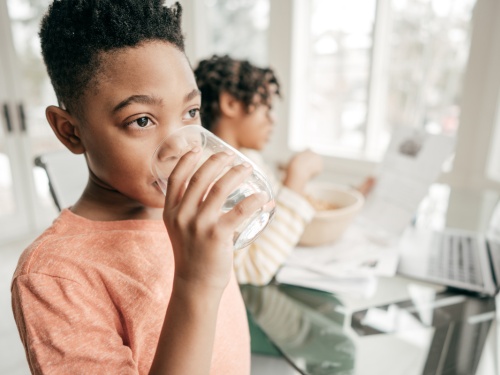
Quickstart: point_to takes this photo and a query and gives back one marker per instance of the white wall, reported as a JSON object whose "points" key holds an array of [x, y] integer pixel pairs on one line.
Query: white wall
{"points": [[480, 103]]}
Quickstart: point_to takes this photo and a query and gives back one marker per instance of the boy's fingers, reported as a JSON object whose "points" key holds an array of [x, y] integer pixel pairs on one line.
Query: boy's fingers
{"points": [[242, 211], [203, 179], [220, 190], [180, 176]]}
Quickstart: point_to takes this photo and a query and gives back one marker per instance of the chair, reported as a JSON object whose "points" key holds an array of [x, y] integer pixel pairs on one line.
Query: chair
{"points": [[67, 174]]}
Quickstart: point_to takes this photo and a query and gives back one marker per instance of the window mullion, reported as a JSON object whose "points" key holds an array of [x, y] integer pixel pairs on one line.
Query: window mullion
{"points": [[280, 59], [299, 66], [377, 87]]}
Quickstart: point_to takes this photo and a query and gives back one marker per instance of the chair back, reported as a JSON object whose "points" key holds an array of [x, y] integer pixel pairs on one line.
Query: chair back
{"points": [[67, 174]]}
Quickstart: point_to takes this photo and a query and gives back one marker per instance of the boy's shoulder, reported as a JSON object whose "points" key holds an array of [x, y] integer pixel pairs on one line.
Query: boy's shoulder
{"points": [[72, 244]]}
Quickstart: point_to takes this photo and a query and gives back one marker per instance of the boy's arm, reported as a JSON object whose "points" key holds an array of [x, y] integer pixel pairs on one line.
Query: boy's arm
{"points": [[186, 341], [202, 243]]}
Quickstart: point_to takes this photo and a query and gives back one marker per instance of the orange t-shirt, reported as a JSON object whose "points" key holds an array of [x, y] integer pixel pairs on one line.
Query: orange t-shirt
{"points": [[90, 297]]}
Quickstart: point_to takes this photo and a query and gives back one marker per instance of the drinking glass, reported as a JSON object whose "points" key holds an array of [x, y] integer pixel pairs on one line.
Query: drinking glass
{"points": [[186, 138]]}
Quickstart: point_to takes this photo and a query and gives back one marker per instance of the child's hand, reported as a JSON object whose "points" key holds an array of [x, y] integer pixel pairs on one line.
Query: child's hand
{"points": [[367, 186], [301, 168], [201, 235]]}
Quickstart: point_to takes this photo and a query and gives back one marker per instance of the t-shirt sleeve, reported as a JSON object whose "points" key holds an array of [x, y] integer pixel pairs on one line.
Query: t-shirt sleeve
{"points": [[65, 329]]}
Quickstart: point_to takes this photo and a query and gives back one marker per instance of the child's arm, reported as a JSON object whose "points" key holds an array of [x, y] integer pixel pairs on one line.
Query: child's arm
{"points": [[258, 263], [202, 240], [301, 169]]}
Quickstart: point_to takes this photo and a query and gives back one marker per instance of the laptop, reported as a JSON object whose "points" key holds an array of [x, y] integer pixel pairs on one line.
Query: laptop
{"points": [[457, 245]]}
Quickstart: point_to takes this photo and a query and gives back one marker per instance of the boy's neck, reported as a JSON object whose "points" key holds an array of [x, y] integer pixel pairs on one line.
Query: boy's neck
{"points": [[100, 204]]}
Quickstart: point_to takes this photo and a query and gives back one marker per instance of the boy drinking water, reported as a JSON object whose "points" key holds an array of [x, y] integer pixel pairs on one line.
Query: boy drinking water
{"points": [[127, 281]]}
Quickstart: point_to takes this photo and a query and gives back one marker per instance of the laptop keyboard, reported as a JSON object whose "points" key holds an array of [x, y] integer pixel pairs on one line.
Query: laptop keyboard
{"points": [[455, 257]]}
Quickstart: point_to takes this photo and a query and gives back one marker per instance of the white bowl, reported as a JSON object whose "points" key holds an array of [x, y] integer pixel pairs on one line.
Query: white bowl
{"points": [[328, 225]]}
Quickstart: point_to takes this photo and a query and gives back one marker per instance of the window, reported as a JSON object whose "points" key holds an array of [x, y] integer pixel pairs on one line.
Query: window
{"points": [[351, 70], [366, 66], [234, 27]]}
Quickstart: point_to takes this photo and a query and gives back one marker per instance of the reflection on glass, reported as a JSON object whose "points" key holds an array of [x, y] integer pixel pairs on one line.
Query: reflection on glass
{"points": [[248, 22], [448, 329], [426, 332], [314, 343]]}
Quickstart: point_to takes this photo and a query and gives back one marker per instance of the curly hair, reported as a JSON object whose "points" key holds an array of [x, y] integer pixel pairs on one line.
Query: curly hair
{"points": [[238, 78], [75, 33]]}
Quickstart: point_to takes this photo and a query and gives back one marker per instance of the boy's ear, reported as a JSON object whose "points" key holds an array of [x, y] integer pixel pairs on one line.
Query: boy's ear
{"points": [[229, 105], [63, 125]]}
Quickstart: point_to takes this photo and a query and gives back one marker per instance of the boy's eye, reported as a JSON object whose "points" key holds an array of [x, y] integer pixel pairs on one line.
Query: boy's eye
{"points": [[192, 113], [142, 122]]}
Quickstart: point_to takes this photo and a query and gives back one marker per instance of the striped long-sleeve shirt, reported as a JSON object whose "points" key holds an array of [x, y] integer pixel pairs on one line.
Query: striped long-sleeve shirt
{"points": [[258, 263]]}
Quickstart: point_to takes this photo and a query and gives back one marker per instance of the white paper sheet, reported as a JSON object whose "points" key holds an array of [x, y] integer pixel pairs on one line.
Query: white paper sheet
{"points": [[412, 162], [352, 256], [349, 265], [360, 287]]}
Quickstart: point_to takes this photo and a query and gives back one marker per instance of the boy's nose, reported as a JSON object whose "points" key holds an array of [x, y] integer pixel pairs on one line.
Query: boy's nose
{"points": [[167, 130]]}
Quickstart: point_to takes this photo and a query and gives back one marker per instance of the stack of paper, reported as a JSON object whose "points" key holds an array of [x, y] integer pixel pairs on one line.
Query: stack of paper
{"points": [[349, 265]]}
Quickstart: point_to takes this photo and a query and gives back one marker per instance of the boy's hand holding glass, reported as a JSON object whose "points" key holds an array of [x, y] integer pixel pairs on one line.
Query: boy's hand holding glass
{"points": [[191, 137]]}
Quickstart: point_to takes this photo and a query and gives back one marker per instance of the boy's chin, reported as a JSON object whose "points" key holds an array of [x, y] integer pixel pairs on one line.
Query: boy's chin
{"points": [[157, 202], [153, 199]]}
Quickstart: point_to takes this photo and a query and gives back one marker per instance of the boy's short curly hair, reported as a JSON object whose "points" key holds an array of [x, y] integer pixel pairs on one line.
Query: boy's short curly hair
{"points": [[74, 33], [238, 78]]}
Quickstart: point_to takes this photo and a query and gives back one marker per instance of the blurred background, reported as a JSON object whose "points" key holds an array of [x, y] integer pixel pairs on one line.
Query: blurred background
{"points": [[351, 71]]}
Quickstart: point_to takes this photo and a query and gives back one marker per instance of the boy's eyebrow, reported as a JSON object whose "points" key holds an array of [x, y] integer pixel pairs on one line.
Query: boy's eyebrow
{"points": [[142, 99], [146, 99], [193, 94]]}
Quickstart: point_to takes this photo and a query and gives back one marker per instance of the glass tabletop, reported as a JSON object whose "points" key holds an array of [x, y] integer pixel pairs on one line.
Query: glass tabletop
{"points": [[404, 327]]}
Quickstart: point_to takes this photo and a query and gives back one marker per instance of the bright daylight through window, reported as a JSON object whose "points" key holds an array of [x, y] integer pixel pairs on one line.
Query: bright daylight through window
{"points": [[362, 67], [248, 21]]}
